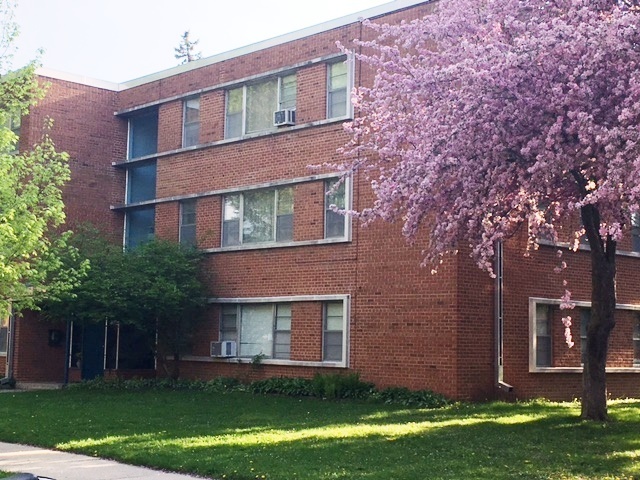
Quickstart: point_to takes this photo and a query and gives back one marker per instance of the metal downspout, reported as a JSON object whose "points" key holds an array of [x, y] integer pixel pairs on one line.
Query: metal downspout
{"points": [[498, 269]]}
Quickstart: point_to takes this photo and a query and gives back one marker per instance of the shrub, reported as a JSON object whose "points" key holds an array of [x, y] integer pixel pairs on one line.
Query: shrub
{"points": [[341, 386], [294, 387], [411, 398], [329, 386]]}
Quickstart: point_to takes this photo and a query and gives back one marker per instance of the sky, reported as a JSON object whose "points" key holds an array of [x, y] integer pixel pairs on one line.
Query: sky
{"points": [[120, 40]]}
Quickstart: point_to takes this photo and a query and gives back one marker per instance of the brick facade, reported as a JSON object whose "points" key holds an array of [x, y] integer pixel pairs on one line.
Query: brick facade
{"points": [[402, 326]]}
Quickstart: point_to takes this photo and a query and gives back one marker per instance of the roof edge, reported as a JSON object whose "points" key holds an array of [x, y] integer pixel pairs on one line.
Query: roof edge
{"points": [[80, 79], [386, 8]]}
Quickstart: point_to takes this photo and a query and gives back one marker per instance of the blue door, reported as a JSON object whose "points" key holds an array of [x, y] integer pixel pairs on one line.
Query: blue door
{"points": [[92, 351]]}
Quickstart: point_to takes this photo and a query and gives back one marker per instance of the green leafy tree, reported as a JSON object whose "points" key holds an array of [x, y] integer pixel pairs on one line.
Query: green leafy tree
{"points": [[171, 294], [31, 206], [185, 52], [157, 287]]}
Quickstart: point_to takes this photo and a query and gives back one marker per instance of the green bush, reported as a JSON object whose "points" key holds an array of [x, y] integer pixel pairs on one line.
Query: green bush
{"points": [[411, 398], [329, 386], [342, 386], [293, 387]]}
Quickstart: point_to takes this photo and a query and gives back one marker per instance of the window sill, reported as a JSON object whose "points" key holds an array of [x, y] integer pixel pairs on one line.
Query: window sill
{"points": [[634, 369], [266, 361], [261, 246], [586, 248]]}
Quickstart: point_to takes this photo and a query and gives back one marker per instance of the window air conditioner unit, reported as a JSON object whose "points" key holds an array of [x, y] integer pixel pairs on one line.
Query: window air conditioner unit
{"points": [[285, 117], [223, 349]]}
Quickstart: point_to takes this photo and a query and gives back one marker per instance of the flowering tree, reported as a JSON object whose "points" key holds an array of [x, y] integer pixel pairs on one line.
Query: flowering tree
{"points": [[491, 114]]}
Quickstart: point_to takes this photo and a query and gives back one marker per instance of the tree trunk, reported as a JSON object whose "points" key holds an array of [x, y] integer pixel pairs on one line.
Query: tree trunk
{"points": [[603, 306]]}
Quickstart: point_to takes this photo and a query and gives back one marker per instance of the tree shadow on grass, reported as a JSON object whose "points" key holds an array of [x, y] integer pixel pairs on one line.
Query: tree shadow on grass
{"points": [[247, 437]]}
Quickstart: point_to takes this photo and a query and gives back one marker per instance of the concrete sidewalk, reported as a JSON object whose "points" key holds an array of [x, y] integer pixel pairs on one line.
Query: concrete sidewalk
{"points": [[70, 466]]}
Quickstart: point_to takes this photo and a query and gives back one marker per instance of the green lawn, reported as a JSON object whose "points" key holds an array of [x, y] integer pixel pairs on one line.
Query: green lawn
{"points": [[238, 435]]}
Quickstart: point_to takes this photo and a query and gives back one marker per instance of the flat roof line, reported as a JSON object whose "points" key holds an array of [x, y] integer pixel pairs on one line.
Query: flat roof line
{"points": [[271, 42]]}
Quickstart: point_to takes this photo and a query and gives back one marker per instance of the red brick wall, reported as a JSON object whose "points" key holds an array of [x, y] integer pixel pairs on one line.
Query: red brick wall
{"points": [[34, 359], [85, 127], [407, 327]]}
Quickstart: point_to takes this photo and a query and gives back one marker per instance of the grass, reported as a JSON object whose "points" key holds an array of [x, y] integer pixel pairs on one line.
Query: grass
{"points": [[240, 436]]}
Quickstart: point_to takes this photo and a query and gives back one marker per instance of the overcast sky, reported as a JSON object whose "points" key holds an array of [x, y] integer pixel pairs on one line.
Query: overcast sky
{"points": [[119, 40]]}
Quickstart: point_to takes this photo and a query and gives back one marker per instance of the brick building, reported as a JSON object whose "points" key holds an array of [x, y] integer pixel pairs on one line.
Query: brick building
{"points": [[198, 154]]}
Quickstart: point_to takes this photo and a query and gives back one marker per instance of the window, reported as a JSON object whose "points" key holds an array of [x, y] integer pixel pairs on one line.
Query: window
{"points": [[140, 226], [332, 331], [635, 232], [14, 123], [250, 107], [334, 222], [585, 318], [188, 222], [191, 122], [636, 342], [543, 335], [141, 182], [265, 216], [337, 90], [4, 335], [143, 134], [261, 329], [282, 332]]}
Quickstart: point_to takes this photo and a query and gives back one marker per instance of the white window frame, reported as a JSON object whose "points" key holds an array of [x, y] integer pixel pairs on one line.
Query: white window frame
{"points": [[347, 205], [635, 232], [277, 104], [181, 223], [6, 325], [533, 301], [346, 305], [185, 124], [350, 63], [274, 235]]}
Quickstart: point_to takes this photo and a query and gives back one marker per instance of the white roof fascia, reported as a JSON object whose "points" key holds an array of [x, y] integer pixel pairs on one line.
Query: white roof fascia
{"points": [[80, 79]]}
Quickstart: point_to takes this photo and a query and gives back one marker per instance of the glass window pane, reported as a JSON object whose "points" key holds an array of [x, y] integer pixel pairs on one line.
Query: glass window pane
{"points": [[188, 222], [4, 335], [284, 228], [228, 323], [338, 104], [543, 351], [262, 101], [233, 123], [141, 182], [283, 316], [191, 134], [288, 87], [234, 101], [334, 221], [231, 224], [338, 75], [233, 128], [192, 110], [256, 331], [143, 135], [140, 225], [542, 320], [285, 200], [258, 216], [333, 346]]}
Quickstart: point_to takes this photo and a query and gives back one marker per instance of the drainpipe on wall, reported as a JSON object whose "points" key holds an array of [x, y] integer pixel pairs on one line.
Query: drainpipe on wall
{"points": [[498, 269]]}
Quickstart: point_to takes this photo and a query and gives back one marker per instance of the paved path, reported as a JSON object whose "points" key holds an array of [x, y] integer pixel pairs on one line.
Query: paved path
{"points": [[70, 466]]}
